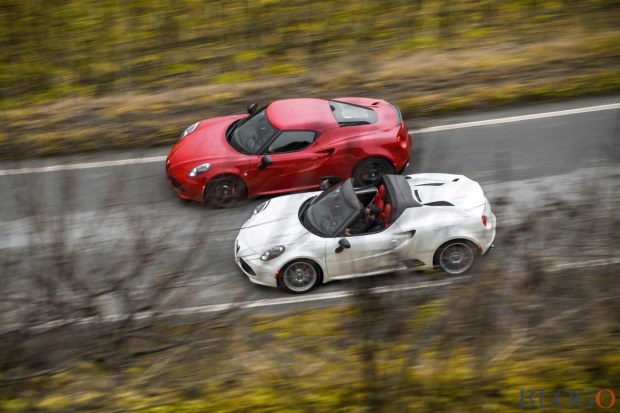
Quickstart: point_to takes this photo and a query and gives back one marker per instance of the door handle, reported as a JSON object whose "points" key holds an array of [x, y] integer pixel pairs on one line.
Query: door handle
{"points": [[324, 153]]}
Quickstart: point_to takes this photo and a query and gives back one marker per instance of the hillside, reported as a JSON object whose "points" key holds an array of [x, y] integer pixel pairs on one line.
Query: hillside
{"points": [[104, 75]]}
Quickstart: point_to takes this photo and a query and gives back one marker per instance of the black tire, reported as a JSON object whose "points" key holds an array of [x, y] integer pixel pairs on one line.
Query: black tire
{"points": [[299, 276], [456, 257], [225, 191], [370, 170]]}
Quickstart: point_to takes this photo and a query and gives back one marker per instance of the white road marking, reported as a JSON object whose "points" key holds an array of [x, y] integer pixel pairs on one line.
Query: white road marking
{"points": [[517, 118], [315, 297], [75, 166], [590, 264], [215, 308], [151, 159]]}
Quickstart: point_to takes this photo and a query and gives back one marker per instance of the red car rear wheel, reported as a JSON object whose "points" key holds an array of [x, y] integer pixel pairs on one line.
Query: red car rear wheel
{"points": [[370, 170]]}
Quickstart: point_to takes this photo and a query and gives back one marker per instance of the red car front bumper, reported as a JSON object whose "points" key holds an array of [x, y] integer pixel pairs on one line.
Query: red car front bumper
{"points": [[185, 186]]}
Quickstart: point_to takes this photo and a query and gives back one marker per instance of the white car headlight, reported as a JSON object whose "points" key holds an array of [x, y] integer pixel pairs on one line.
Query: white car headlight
{"points": [[200, 169], [189, 130], [272, 253], [260, 207]]}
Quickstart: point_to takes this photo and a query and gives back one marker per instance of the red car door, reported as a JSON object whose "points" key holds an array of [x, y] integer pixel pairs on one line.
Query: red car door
{"points": [[349, 145], [297, 163]]}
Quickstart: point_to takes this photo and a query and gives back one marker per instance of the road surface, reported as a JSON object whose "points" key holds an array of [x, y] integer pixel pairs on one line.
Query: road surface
{"points": [[108, 211]]}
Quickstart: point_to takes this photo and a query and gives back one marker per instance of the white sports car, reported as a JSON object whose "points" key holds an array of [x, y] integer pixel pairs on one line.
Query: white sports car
{"points": [[426, 221]]}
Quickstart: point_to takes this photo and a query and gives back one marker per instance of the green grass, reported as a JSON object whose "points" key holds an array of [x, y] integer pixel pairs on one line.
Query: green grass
{"points": [[94, 64], [316, 361]]}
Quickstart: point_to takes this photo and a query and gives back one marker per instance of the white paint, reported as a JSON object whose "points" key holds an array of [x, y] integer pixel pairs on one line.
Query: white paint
{"points": [[215, 308], [377, 290], [313, 297], [85, 165], [601, 262], [133, 161], [517, 118]]}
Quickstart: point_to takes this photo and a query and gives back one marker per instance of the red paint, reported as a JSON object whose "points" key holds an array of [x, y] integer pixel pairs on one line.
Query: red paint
{"points": [[335, 152]]}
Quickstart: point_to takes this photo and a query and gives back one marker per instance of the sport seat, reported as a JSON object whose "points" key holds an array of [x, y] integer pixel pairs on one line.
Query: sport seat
{"points": [[387, 214]]}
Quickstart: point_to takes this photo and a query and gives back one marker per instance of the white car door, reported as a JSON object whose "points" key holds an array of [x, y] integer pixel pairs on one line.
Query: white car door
{"points": [[369, 254]]}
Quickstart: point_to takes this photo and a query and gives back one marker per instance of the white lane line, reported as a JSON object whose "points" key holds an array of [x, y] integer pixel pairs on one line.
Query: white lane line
{"points": [[215, 308], [376, 290], [133, 161], [315, 297], [74, 166], [601, 262], [517, 118]]}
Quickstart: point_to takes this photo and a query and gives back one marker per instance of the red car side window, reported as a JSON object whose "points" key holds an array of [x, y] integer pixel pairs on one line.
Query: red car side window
{"points": [[291, 141]]}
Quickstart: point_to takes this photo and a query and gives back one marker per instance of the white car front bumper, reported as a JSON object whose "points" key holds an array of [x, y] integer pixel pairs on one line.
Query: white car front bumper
{"points": [[258, 271]]}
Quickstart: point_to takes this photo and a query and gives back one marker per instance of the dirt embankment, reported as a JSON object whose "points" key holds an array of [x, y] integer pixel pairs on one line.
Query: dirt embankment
{"points": [[134, 120]]}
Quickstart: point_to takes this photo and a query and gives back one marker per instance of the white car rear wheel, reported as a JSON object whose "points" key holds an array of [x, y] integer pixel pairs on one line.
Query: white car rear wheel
{"points": [[299, 276], [456, 257]]}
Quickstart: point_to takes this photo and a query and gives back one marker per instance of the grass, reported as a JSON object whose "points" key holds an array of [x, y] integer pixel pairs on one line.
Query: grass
{"points": [[112, 70], [318, 361]]}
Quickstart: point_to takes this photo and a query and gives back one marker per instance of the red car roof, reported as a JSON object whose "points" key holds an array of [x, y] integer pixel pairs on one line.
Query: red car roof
{"points": [[301, 114]]}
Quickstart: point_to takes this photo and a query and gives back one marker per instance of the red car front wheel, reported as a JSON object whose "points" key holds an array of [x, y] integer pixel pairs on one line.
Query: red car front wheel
{"points": [[225, 191]]}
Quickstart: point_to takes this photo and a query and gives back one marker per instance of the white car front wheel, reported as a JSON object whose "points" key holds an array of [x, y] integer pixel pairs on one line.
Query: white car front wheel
{"points": [[299, 276]]}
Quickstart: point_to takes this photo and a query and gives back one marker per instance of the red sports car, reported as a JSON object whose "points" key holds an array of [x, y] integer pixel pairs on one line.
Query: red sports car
{"points": [[289, 145]]}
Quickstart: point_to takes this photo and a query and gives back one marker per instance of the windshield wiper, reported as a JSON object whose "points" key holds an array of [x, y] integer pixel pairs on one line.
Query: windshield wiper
{"points": [[232, 128], [304, 207]]}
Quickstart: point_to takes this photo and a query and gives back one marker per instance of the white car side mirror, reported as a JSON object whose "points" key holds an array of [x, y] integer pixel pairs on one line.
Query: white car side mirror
{"points": [[342, 244]]}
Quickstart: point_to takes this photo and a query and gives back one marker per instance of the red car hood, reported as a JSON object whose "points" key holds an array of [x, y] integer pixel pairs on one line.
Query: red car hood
{"points": [[206, 143]]}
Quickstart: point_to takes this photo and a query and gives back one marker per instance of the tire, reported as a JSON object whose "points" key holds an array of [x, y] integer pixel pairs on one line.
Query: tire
{"points": [[225, 191], [370, 170], [456, 257], [299, 276]]}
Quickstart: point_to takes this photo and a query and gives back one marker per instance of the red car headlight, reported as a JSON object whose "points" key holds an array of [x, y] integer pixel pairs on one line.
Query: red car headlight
{"points": [[189, 130], [200, 169]]}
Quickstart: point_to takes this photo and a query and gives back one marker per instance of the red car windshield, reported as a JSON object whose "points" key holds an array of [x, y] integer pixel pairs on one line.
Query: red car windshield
{"points": [[253, 133]]}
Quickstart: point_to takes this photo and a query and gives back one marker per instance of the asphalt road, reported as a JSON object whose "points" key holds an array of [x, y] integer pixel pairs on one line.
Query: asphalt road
{"points": [[108, 217]]}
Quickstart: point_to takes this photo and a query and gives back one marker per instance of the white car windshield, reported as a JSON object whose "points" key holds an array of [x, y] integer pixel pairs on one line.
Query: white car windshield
{"points": [[332, 210]]}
